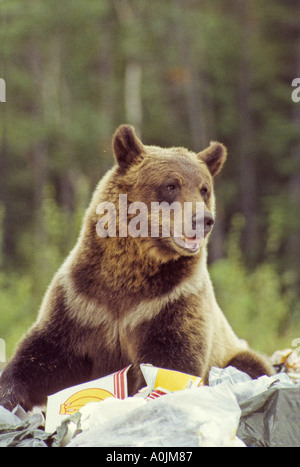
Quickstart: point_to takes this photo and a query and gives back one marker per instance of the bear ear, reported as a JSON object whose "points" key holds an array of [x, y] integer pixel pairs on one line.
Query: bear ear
{"points": [[214, 157], [127, 147]]}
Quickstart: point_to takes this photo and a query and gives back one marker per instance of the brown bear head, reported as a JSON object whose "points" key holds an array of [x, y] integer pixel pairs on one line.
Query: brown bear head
{"points": [[152, 177]]}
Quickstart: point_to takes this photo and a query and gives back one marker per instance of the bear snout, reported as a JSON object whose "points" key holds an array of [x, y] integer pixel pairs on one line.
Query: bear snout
{"points": [[207, 222]]}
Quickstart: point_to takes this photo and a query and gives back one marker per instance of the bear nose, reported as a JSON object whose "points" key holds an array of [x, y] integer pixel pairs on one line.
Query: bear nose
{"points": [[208, 222]]}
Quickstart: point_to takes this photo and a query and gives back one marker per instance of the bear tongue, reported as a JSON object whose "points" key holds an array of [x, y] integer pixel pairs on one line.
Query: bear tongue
{"points": [[193, 242]]}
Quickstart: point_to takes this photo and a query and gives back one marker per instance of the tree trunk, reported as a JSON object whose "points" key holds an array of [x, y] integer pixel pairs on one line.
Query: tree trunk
{"points": [[6, 229], [133, 71], [133, 98], [248, 182], [198, 107], [38, 155]]}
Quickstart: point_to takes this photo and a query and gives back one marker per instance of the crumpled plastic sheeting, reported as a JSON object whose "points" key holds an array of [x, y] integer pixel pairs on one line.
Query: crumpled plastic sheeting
{"points": [[270, 407], [203, 416], [272, 419], [19, 429], [15, 432], [241, 384]]}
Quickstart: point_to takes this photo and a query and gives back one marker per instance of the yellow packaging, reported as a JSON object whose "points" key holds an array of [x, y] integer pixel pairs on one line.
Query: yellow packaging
{"points": [[169, 380]]}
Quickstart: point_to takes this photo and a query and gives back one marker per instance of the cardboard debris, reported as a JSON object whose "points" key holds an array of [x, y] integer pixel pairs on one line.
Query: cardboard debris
{"points": [[162, 381], [69, 401]]}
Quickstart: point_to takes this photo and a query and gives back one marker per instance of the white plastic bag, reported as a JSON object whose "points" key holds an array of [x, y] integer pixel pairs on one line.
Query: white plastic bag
{"points": [[206, 416], [242, 385]]}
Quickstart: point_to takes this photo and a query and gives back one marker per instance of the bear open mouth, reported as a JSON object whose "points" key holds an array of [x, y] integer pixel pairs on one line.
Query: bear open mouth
{"points": [[193, 244]]}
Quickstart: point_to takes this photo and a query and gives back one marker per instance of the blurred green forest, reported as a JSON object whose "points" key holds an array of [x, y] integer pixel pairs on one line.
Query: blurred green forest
{"points": [[183, 72]]}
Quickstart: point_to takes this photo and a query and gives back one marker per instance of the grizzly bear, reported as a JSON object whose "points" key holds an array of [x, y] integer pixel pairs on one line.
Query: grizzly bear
{"points": [[132, 299]]}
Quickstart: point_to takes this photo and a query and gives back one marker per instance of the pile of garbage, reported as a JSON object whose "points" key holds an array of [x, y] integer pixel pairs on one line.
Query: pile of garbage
{"points": [[173, 410]]}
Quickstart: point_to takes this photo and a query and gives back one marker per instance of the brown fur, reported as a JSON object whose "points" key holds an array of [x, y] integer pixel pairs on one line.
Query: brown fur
{"points": [[126, 300]]}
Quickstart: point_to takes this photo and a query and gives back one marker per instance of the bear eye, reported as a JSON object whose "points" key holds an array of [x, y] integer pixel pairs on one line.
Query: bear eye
{"points": [[171, 187]]}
